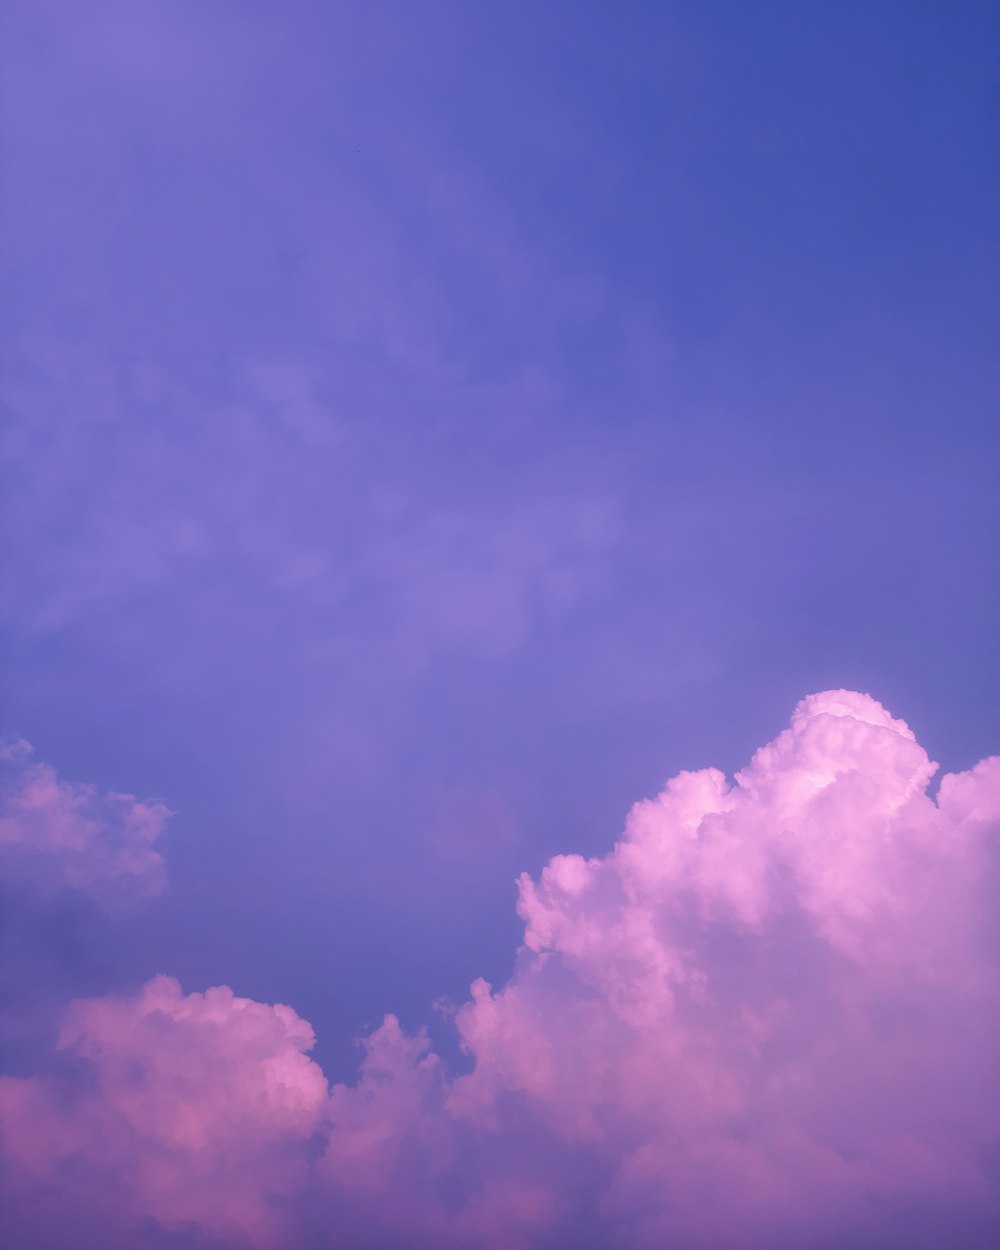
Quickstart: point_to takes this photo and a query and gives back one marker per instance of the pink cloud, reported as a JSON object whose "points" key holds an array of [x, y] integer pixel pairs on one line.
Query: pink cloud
{"points": [[766, 1018], [196, 1108], [55, 832], [754, 1004]]}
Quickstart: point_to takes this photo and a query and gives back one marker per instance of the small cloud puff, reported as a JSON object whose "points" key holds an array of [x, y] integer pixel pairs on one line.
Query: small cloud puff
{"points": [[56, 833]]}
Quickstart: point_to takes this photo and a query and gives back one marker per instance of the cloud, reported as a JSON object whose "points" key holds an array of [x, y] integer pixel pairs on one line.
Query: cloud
{"points": [[195, 1109], [57, 833], [766, 1018], [770, 1006]]}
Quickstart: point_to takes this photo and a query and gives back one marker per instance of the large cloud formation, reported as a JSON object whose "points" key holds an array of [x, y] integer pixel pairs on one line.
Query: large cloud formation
{"points": [[768, 1018]]}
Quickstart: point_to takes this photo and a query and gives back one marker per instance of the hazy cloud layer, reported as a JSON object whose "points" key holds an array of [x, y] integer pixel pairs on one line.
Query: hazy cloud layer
{"points": [[766, 1018]]}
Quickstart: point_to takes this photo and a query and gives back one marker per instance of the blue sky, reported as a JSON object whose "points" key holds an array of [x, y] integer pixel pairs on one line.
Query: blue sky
{"points": [[430, 426]]}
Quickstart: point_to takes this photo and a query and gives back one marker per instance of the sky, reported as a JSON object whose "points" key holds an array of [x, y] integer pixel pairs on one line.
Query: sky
{"points": [[499, 599]]}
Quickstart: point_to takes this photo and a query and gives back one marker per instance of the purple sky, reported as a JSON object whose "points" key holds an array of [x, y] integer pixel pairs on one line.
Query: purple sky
{"points": [[428, 428]]}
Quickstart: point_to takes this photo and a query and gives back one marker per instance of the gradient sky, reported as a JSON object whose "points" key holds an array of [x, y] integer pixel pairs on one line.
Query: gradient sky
{"points": [[429, 427]]}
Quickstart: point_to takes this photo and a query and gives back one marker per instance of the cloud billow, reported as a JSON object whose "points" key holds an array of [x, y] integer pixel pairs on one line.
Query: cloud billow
{"points": [[766, 1018], [59, 834]]}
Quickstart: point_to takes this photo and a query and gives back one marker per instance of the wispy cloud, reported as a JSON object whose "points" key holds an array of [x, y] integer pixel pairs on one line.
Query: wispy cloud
{"points": [[57, 833]]}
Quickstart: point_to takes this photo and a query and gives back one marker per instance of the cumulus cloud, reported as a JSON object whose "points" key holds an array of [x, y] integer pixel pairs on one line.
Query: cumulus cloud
{"points": [[766, 1018], [56, 833], [770, 1006], [195, 1109]]}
